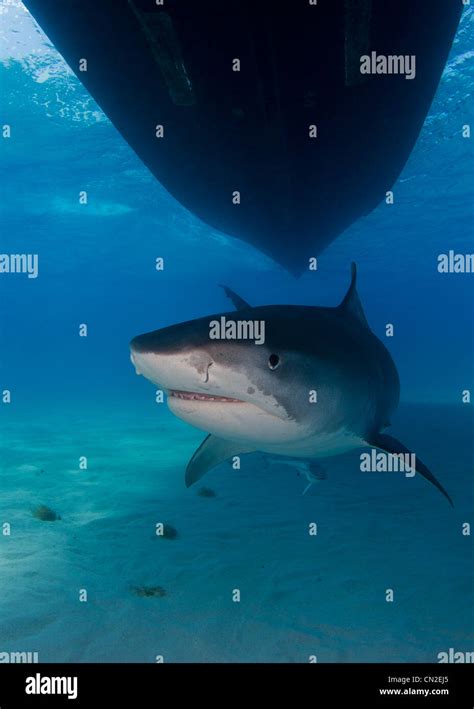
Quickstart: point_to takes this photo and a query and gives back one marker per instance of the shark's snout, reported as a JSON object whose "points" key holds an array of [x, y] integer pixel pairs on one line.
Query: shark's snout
{"points": [[137, 351], [169, 361], [150, 342], [135, 344], [139, 347]]}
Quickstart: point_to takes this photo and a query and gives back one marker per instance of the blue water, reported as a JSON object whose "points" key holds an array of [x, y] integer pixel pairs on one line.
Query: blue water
{"points": [[74, 397]]}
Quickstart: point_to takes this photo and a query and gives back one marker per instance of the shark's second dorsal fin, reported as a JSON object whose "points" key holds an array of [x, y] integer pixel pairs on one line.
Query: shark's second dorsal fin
{"points": [[239, 303], [351, 303]]}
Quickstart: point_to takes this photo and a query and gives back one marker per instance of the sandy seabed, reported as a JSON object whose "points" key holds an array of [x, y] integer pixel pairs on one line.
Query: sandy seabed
{"points": [[301, 595]]}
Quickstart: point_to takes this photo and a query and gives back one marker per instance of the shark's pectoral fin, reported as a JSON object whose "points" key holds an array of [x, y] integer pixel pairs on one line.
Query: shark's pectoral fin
{"points": [[391, 445], [210, 453]]}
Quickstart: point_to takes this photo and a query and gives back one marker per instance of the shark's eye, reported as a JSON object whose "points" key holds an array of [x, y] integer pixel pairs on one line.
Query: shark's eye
{"points": [[273, 361]]}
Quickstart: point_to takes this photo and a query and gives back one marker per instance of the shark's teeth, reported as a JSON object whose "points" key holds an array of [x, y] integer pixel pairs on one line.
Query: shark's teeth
{"points": [[201, 397]]}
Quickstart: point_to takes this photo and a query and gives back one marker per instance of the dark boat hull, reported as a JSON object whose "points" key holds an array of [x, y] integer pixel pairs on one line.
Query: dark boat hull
{"points": [[247, 131]]}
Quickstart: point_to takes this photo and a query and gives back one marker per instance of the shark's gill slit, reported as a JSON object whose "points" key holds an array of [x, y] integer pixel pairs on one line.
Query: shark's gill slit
{"points": [[206, 376]]}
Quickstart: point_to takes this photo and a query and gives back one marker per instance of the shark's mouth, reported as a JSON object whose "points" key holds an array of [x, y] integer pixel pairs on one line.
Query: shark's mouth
{"points": [[198, 396]]}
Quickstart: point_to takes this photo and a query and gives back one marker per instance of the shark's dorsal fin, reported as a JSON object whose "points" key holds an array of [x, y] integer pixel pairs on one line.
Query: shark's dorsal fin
{"points": [[351, 303], [239, 303]]}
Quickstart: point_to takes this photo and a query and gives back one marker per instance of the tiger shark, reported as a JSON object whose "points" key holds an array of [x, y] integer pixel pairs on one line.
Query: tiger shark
{"points": [[312, 382]]}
